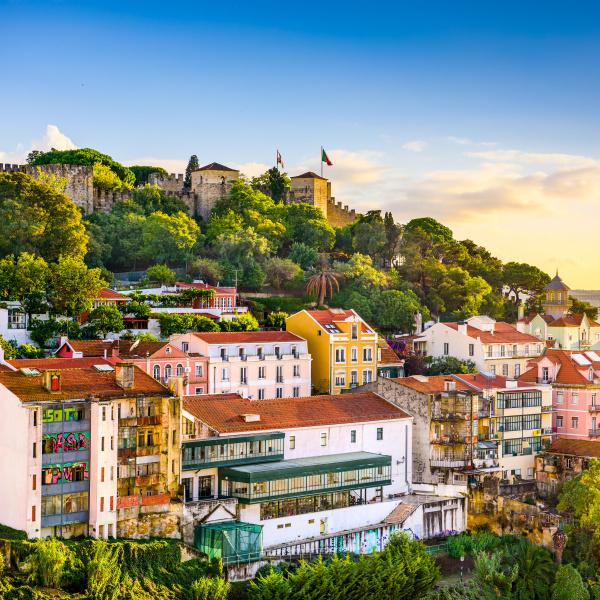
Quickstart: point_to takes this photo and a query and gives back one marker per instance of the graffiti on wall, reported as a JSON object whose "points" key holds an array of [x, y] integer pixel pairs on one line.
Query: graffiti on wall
{"points": [[55, 414], [66, 473], [65, 442]]}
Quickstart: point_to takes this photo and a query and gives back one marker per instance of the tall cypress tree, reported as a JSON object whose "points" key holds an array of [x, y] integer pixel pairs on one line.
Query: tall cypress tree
{"points": [[193, 165]]}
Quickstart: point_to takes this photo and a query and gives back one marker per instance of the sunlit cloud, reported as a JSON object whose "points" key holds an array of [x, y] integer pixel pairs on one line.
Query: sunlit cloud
{"points": [[415, 146], [53, 138], [516, 156], [169, 165], [466, 141]]}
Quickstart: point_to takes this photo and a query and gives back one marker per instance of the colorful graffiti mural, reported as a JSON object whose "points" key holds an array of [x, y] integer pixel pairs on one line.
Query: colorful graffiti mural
{"points": [[55, 414], [68, 473], [65, 442]]}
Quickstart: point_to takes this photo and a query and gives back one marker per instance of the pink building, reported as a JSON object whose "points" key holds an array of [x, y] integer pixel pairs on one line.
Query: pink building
{"points": [[162, 360], [575, 380], [254, 364], [224, 298]]}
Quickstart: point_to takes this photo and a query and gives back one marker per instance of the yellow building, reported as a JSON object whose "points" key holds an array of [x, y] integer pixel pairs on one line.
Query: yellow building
{"points": [[343, 348]]}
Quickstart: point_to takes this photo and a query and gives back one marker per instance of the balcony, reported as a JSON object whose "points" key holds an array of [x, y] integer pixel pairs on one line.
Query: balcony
{"points": [[545, 380], [449, 463], [548, 430], [128, 422], [485, 463], [549, 409], [447, 440], [146, 480], [484, 413], [127, 482], [449, 416], [481, 437], [279, 379], [594, 408], [594, 432], [152, 420], [148, 450]]}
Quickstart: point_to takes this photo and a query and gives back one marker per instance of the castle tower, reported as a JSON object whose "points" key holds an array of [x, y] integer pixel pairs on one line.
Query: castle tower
{"points": [[310, 188], [213, 173], [557, 302]]}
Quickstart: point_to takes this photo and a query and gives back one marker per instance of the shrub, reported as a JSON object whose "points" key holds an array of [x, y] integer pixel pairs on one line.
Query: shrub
{"points": [[569, 585], [47, 562], [276, 319], [104, 572], [210, 588]]}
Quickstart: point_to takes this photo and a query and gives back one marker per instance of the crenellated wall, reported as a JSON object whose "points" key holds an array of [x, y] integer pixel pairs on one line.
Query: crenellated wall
{"points": [[168, 183]]}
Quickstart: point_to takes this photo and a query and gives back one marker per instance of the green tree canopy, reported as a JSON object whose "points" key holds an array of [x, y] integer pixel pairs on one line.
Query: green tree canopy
{"points": [[23, 275], [106, 319], [523, 278], [303, 255], [193, 165], [448, 365], [141, 173], [581, 307], [282, 271], [161, 273], [170, 237], [277, 182], [569, 585], [395, 310], [37, 219], [151, 199], [86, 156], [432, 228]]}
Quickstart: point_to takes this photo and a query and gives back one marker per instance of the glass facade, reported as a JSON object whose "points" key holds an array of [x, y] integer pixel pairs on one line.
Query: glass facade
{"points": [[304, 505], [519, 399], [214, 452]]}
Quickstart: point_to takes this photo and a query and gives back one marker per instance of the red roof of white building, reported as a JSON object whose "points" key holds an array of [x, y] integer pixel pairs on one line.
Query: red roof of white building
{"points": [[248, 337], [503, 333]]}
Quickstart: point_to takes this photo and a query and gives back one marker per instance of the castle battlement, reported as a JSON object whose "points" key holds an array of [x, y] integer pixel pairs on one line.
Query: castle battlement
{"points": [[162, 178], [8, 168]]}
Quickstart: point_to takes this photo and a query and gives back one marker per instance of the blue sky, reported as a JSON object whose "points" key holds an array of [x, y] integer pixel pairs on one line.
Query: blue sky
{"points": [[481, 114]]}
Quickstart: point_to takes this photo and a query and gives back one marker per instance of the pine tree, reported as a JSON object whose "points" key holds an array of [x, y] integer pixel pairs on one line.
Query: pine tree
{"points": [[193, 165]]}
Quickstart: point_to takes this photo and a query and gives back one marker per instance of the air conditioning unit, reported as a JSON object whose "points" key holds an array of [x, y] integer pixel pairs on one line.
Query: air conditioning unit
{"points": [[187, 370]]}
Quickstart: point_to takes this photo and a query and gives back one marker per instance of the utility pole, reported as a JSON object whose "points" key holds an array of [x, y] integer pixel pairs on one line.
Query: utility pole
{"points": [[236, 282]]}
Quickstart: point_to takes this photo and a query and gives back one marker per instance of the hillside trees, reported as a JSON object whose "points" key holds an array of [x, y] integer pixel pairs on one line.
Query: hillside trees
{"points": [[141, 173], [193, 165]]}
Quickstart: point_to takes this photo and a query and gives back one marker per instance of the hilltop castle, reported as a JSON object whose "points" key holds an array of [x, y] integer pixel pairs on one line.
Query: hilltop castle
{"points": [[209, 184]]}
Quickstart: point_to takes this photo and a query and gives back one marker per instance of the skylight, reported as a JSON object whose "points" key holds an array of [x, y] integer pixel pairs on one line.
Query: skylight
{"points": [[332, 328], [104, 368], [593, 356], [580, 359], [29, 371]]}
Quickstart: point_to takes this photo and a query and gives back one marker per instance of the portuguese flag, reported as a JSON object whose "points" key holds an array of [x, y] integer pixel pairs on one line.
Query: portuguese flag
{"points": [[325, 159]]}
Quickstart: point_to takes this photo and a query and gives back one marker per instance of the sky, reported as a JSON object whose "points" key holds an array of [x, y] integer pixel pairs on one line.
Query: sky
{"points": [[482, 115]]}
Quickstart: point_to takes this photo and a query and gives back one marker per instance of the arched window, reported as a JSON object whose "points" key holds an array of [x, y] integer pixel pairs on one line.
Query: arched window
{"points": [[179, 370], [156, 372], [168, 370]]}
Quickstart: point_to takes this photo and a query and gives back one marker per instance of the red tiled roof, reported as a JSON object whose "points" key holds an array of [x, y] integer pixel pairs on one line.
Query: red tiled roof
{"points": [[215, 166], [57, 362], [568, 374], [337, 315], [388, 356], [106, 293], [90, 347], [530, 317], [138, 349], [80, 383], [567, 321], [248, 337], [482, 383], [576, 447], [503, 334], [433, 385], [308, 175], [221, 412]]}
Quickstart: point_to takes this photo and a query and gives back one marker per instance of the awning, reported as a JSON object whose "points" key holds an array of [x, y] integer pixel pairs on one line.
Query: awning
{"points": [[486, 445], [481, 471]]}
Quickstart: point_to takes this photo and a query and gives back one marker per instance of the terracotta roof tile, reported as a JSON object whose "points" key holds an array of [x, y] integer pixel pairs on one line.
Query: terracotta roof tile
{"points": [[56, 362], [215, 166], [567, 321], [388, 356], [503, 334], [248, 337], [568, 373], [221, 412], [433, 385], [91, 347], [337, 315], [576, 447], [482, 383], [204, 286], [107, 293], [308, 175], [530, 317], [80, 383]]}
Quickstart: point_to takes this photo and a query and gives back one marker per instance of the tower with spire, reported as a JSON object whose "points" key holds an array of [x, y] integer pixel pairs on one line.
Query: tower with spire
{"points": [[557, 302]]}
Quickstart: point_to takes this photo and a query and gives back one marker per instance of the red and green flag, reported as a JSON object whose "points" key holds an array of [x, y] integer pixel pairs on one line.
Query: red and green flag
{"points": [[325, 159]]}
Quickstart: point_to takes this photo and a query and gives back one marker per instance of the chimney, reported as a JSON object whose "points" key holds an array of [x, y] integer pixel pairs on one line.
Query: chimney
{"points": [[51, 380], [511, 384], [521, 311], [63, 339], [462, 328], [521, 327], [124, 375]]}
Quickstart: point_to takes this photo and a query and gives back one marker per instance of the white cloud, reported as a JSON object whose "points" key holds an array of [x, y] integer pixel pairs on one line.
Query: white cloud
{"points": [[516, 156], [466, 141], [252, 169], [170, 165], [53, 138], [415, 146]]}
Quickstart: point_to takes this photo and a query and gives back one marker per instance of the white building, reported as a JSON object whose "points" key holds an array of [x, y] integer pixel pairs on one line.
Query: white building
{"points": [[308, 468], [495, 347]]}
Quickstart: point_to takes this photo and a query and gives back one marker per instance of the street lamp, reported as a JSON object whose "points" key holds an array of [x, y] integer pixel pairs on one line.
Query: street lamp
{"points": [[462, 562]]}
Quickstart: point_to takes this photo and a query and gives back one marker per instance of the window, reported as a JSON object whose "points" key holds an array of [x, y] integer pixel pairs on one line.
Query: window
{"points": [[354, 331], [35, 418], [539, 349], [593, 399], [296, 391], [102, 445], [279, 375], [353, 436], [172, 466], [112, 442], [575, 398], [34, 450], [102, 475], [568, 463], [112, 473], [574, 422], [242, 353], [354, 355], [296, 370], [277, 351], [104, 413], [419, 477], [367, 354], [502, 350], [225, 374], [446, 348], [559, 422], [111, 504], [340, 379], [262, 372], [244, 375], [559, 397], [529, 471], [526, 349], [517, 370], [292, 442], [179, 370], [199, 370], [156, 372], [493, 369], [199, 390], [367, 376], [471, 349], [259, 352], [354, 377], [380, 433], [441, 477], [505, 370], [33, 513], [112, 413], [323, 439], [34, 485], [319, 333], [168, 371], [340, 355], [261, 393], [223, 352], [185, 346], [279, 392], [174, 437]]}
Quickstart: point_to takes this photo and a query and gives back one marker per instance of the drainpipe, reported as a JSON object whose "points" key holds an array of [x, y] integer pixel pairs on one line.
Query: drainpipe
{"points": [[331, 366], [406, 456]]}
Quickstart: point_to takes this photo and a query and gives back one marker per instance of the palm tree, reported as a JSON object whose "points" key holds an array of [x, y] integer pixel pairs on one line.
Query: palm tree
{"points": [[536, 572], [320, 282]]}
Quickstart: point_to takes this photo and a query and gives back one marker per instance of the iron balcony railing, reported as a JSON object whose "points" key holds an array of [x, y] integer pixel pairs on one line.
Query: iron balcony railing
{"points": [[594, 432]]}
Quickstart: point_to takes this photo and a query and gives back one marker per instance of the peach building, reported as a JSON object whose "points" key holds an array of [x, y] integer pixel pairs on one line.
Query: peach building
{"points": [[254, 364]]}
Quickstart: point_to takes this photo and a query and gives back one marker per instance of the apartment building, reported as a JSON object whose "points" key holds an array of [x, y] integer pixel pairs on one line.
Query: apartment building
{"points": [[75, 441], [388, 363], [574, 378], [161, 360], [306, 468], [254, 364], [446, 429], [495, 347], [515, 425], [345, 345]]}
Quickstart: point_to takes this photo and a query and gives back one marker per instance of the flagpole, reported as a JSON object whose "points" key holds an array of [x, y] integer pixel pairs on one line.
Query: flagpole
{"points": [[321, 157]]}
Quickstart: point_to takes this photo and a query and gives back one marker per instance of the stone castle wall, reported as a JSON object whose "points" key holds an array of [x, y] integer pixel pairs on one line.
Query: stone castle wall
{"points": [[201, 199]]}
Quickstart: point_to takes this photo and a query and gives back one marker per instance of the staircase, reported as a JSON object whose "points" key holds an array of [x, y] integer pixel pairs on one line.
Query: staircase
{"points": [[402, 512]]}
